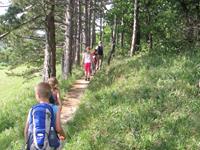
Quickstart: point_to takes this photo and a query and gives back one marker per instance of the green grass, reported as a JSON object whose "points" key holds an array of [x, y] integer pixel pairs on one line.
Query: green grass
{"points": [[17, 97], [150, 101]]}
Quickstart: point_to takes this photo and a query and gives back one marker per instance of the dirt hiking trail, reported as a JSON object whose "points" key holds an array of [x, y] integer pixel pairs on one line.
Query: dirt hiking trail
{"points": [[72, 98]]}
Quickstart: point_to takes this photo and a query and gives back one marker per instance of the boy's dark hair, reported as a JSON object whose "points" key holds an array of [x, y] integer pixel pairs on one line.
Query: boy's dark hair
{"points": [[44, 90]]}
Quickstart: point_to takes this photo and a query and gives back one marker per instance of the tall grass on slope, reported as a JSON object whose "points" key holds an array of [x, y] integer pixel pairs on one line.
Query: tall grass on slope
{"points": [[146, 102]]}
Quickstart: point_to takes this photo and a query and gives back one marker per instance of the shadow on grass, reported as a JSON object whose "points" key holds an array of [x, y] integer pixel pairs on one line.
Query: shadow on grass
{"points": [[145, 107]]}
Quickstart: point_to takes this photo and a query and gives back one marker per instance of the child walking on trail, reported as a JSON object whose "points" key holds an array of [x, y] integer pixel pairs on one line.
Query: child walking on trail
{"points": [[86, 61], [43, 128], [94, 61], [55, 97], [100, 55]]}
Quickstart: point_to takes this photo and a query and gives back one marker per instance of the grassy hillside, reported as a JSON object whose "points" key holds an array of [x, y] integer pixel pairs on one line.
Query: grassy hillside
{"points": [[17, 97], [150, 101]]}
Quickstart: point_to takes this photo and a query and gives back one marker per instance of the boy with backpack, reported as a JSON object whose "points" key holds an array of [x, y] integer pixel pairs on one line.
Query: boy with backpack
{"points": [[43, 129]]}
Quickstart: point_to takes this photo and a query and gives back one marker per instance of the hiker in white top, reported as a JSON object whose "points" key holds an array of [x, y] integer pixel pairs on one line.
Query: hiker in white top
{"points": [[87, 60]]}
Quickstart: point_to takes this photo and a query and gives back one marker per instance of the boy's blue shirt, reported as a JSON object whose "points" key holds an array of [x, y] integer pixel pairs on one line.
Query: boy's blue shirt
{"points": [[55, 109]]}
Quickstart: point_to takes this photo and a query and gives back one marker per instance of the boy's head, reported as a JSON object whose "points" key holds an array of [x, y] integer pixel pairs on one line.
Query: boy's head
{"points": [[53, 82], [88, 49], [42, 91]]}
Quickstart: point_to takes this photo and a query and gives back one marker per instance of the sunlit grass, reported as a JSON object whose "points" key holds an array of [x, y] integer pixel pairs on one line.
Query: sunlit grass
{"points": [[147, 102]]}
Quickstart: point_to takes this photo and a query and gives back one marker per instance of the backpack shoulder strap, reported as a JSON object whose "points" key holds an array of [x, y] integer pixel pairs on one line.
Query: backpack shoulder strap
{"points": [[47, 106]]}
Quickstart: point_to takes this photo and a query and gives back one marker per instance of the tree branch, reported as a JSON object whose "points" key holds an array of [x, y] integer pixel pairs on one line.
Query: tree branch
{"points": [[19, 26]]}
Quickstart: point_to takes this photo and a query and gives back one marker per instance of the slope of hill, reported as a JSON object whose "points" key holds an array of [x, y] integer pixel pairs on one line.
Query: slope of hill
{"points": [[150, 101]]}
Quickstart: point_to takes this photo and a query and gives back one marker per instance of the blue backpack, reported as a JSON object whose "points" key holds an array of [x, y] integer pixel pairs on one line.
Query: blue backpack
{"points": [[41, 132]]}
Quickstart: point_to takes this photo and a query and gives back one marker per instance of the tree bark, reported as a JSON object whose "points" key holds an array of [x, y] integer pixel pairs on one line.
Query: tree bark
{"points": [[67, 64], [112, 51], [86, 27], [75, 31], [50, 49], [149, 36], [78, 59], [122, 34], [101, 22], [135, 28], [93, 32], [90, 3]]}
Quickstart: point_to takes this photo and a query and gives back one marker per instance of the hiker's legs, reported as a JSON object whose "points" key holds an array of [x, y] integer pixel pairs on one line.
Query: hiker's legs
{"points": [[100, 61], [93, 68], [89, 70], [85, 70], [97, 63]]}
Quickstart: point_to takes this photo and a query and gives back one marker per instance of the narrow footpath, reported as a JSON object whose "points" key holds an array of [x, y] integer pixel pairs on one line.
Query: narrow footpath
{"points": [[71, 100]]}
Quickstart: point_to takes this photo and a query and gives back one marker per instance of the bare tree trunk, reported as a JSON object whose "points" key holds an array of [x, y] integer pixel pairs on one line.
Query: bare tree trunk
{"points": [[90, 3], [135, 28], [101, 22], [75, 31], [122, 34], [86, 27], [93, 33], [50, 49], [112, 51], [78, 59], [67, 64], [47, 58], [149, 36]]}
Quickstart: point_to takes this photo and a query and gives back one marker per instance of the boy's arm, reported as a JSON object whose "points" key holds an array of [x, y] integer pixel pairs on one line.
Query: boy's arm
{"points": [[26, 128], [59, 128], [59, 98]]}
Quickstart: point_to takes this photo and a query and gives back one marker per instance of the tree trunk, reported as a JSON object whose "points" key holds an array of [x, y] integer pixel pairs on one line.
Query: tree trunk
{"points": [[50, 49], [138, 36], [75, 31], [122, 34], [112, 51], [101, 22], [78, 62], [90, 3], [67, 64], [149, 36], [93, 33], [135, 28], [86, 27]]}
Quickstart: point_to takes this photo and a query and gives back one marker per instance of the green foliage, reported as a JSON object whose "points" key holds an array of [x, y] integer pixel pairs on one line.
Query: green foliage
{"points": [[16, 96], [10, 19], [147, 102]]}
